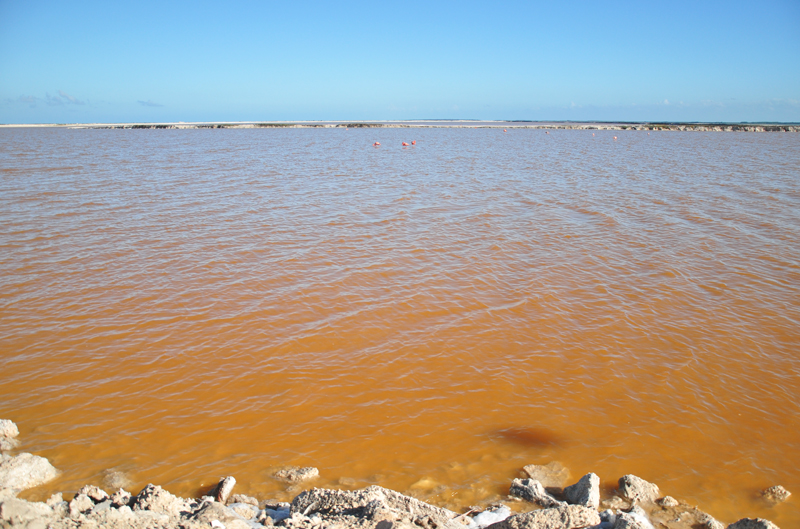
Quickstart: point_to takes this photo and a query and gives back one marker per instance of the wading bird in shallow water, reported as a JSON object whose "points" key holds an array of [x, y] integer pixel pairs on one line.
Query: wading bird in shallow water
{"points": [[405, 144], [376, 144], [615, 137], [504, 130], [413, 142]]}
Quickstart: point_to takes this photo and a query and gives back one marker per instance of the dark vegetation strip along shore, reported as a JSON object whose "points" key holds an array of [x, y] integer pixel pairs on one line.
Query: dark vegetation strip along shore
{"points": [[565, 126], [648, 126], [541, 501]]}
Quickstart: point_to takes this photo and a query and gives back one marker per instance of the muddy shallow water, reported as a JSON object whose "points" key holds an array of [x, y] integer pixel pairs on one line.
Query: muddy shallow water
{"points": [[186, 304]]}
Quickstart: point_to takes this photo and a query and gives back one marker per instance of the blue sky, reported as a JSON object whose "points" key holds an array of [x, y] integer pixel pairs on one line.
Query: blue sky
{"points": [[67, 62]]}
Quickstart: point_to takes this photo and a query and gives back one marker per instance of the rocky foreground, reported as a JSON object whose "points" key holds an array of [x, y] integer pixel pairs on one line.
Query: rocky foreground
{"points": [[637, 504]]}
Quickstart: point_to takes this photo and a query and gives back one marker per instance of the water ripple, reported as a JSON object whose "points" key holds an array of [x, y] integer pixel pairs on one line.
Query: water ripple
{"points": [[191, 303]]}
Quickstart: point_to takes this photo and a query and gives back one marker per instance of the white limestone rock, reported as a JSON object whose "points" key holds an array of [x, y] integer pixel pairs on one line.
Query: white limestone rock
{"points": [[638, 490], [370, 502], [585, 492], [120, 498], [20, 512], [209, 512], [80, 504], [753, 523], [553, 474], [615, 503], [534, 492], [8, 429], [708, 521], [564, 517], [245, 510], [101, 507], [296, 474], [25, 471], [55, 499], [106, 517], [489, 517], [636, 519], [61, 509], [157, 500], [776, 494], [7, 444], [667, 501], [275, 505], [96, 494], [243, 498], [379, 510], [59, 506]]}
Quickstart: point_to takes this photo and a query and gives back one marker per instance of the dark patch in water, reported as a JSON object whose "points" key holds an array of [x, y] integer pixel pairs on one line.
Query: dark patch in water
{"points": [[527, 436]]}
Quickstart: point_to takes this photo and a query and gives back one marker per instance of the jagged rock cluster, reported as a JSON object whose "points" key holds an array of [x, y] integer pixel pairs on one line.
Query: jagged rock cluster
{"points": [[637, 505]]}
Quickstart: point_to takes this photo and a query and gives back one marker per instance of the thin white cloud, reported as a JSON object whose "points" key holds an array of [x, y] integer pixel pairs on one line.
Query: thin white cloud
{"points": [[60, 99], [149, 103], [31, 101], [788, 102], [53, 100], [70, 99], [63, 98]]}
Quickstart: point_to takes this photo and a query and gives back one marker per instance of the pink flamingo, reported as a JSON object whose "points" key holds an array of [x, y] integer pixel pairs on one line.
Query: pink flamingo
{"points": [[405, 144], [413, 142], [376, 144]]}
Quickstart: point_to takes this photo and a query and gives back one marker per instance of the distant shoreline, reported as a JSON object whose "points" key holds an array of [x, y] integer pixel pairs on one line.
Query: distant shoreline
{"points": [[422, 124]]}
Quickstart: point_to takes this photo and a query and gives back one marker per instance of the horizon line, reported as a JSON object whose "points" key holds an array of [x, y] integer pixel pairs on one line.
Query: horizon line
{"points": [[402, 121]]}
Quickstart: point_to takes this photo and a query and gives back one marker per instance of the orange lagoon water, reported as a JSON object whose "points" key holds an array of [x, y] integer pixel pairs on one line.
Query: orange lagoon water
{"points": [[186, 304]]}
